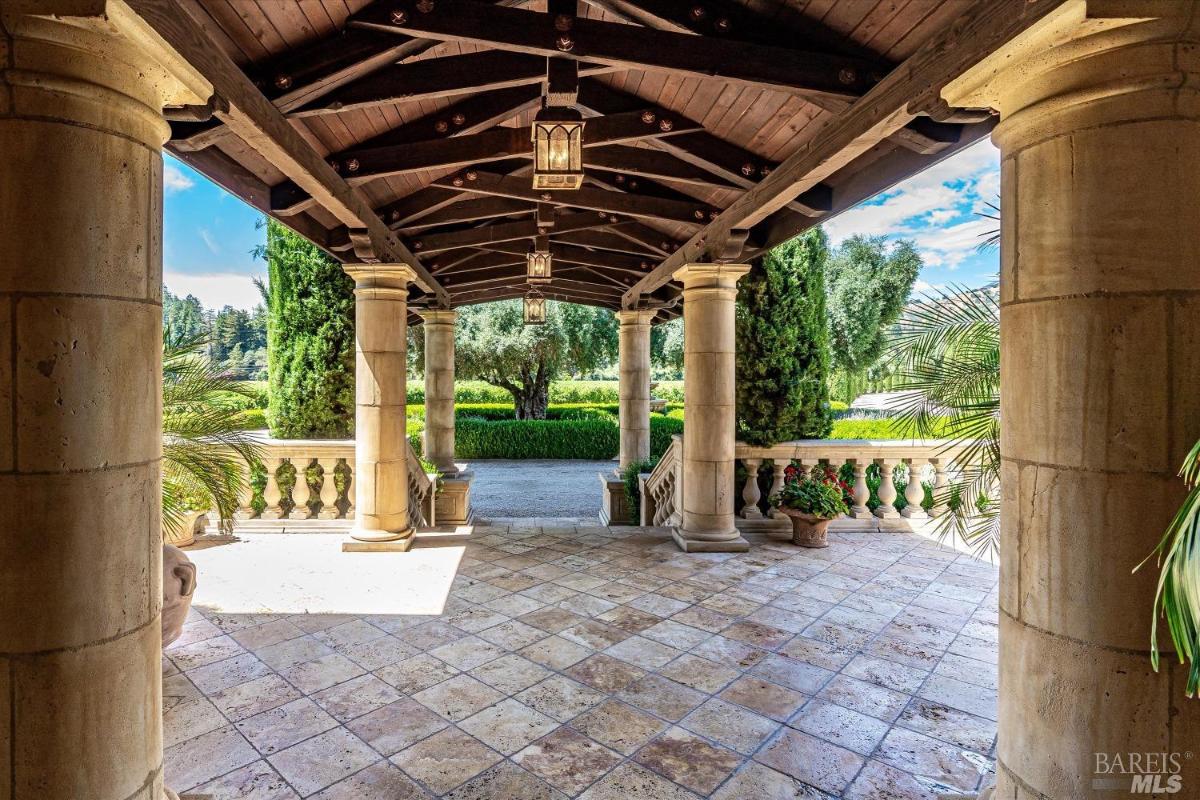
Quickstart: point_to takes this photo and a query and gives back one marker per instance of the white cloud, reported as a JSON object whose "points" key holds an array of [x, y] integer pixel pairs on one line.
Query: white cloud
{"points": [[936, 208], [209, 242], [174, 180], [216, 289]]}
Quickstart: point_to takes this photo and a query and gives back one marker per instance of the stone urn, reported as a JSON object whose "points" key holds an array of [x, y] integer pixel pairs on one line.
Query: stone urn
{"points": [[179, 583], [808, 530], [194, 522]]}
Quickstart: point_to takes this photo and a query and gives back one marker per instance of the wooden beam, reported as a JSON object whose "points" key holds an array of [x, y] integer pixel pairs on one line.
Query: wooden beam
{"points": [[491, 295], [803, 72], [468, 260], [570, 254], [897, 100], [261, 125], [432, 78], [361, 164], [470, 211], [501, 232], [595, 199], [729, 162], [652, 164], [926, 136], [605, 240], [467, 117]]}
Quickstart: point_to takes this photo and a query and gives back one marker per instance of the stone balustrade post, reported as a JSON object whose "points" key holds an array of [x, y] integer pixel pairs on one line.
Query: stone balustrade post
{"points": [[1099, 139], [887, 490], [329, 492], [272, 494], [709, 438], [751, 494], [301, 491], [381, 520], [914, 492], [245, 509], [778, 468], [940, 482], [634, 389], [862, 492], [81, 193], [439, 388]]}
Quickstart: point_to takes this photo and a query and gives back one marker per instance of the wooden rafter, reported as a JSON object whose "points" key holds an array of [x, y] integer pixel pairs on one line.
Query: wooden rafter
{"points": [[595, 199], [501, 232], [627, 47], [470, 211], [259, 123], [907, 92]]}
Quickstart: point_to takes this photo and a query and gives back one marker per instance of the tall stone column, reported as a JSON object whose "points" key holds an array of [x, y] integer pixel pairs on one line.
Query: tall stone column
{"points": [[81, 132], [380, 441], [1100, 356], [709, 372], [634, 358], [439, 387]]}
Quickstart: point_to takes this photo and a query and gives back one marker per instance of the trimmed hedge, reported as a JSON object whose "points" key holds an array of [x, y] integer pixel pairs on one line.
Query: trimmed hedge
{"points": [[661, 430], [586, 392], [500, 412], [536, 438]]}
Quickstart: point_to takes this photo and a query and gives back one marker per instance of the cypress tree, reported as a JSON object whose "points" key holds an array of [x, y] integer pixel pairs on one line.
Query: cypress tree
{"points": [[310, 340], [783, 344]]}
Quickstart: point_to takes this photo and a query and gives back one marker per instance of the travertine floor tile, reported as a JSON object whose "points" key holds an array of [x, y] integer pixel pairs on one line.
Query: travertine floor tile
{"points": [[322, 760], [508, 726], [458, 698], [283, 727], [396, 726], [619, 725], [445, 759], [689, 760], [567, 760]]}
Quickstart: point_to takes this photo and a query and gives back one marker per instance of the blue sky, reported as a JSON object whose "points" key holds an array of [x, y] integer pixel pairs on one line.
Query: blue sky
{"points": [[209, 234]]}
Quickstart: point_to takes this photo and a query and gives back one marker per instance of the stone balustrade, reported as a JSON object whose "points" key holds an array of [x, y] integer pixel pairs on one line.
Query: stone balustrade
{"points": [[931, 461], [323, 487]]}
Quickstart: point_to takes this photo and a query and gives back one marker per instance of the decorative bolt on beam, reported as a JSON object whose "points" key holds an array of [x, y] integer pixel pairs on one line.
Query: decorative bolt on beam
{"points": [[697, 12], [425, 6], [459, 119], [723, 25], [563, 23], [283, 82], [847, 76], [648, 117], [748, 169], [665, 125], [565, 43], [441, 126], [472, 175], [457, 180], [399, 16]]}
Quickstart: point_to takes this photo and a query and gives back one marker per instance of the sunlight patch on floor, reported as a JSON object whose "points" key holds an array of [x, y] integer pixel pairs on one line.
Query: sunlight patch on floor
{"points": [[273, 574]]}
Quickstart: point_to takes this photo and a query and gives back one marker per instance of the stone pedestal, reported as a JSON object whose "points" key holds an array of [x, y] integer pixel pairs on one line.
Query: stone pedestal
{"points": [[380, 441], [634, 356], [80, 400], [452, 504], [614, 506], [1100, 352], [709, 294], [439, 388]]}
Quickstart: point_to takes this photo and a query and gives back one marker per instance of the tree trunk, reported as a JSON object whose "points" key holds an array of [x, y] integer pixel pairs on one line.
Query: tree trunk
{"points": [[533, 398]]}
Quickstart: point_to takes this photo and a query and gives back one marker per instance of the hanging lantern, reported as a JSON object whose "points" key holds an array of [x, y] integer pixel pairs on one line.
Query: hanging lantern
{"points": [[535, 308], [557, 149], [539, 261]]}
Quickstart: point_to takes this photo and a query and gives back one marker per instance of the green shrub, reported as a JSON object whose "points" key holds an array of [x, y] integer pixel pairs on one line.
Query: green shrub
{"points": [[584, 391], [253, 419], [661, 430], [498, 412], [878, 429], [838, 405], [671, 391], [675, 413], [414, 428], [633, 491], [583, 439]]}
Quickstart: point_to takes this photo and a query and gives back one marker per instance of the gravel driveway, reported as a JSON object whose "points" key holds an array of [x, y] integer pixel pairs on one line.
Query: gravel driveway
{"points": [[537, 488]]}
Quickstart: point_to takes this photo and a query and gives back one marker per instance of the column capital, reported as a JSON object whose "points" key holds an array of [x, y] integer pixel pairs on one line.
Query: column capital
{"points": [[381, 281], [438, 316], [635, 316], [710, 276]]}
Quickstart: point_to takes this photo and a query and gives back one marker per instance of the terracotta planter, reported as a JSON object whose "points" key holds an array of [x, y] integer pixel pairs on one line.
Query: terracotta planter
{"points": [[193, 522], [807, 530], [179, 583]]}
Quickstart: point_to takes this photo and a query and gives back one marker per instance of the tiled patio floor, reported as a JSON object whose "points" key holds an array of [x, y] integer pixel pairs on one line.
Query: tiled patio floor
{"points": [[607, 664]]}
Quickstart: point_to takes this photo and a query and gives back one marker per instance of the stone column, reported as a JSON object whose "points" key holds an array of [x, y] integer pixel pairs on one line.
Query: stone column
{"points": [[709, 294], [439, 387], [81, 132], [380, 442], [1100, 352], [634, 356]]}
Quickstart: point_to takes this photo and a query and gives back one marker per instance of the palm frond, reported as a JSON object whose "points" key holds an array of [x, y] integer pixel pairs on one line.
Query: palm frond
{"points": [[206, 455], [946, 354], [1177, 598]]}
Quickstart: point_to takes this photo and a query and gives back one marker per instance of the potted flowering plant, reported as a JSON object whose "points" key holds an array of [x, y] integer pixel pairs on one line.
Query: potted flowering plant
{"points": [[812, 499]]}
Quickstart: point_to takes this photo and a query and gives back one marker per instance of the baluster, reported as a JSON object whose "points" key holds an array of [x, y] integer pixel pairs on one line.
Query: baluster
{"points": [[245, 496], [914, 492], [750, 492], [301, 492], [940, 482], [887, 490], [861, 492], [271, 493], [329, 492], [350, 478], [778, 467]]}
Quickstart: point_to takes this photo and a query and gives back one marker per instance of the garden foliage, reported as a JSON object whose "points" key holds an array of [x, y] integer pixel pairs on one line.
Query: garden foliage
{"points": [[783, 345], [310, 342]]}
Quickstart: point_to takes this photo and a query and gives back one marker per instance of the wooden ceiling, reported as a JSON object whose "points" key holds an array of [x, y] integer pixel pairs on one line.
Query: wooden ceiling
{"points": [[409, 126]]}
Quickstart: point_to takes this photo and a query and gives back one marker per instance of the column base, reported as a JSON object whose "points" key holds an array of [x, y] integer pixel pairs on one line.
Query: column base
{"points": [[888, 513], [914, 512], [860, 513], [374, 541], [752, 512], [736, 544]]}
